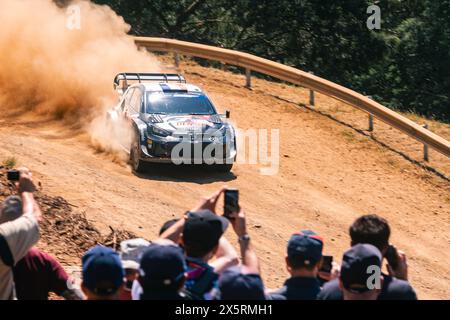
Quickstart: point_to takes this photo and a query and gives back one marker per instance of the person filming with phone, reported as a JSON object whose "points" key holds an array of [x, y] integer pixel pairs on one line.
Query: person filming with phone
{"points": [[207, 252], [19, 229], [241, 282], [374, 230]]}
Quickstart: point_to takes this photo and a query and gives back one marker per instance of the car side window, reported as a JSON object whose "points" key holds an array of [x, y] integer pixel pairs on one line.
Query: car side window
{"points": [[128, 96], [135, 103], [126, 102]]}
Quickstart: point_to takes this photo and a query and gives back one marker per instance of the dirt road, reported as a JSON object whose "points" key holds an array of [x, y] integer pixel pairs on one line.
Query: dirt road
{"points": [[329, 175]]}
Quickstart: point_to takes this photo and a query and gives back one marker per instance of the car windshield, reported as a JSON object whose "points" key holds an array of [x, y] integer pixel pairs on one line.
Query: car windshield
{"points": [[178, 103]]}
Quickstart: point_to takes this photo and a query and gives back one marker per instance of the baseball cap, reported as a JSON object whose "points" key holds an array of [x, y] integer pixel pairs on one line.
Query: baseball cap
{"points": [[162, 266], [102, 270], [235, 285], [203, 228], [131, 252], [355, 264], [306, 246], [11, 209]]}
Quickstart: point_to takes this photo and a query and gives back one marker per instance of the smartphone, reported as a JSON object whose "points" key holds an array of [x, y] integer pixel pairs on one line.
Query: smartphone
{"points": [[231, 202], [392, 256], [327, 264], [13, 175]]}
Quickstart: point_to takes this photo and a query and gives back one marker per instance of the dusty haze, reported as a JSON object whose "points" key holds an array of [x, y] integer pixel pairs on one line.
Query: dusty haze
{"points": [[64, 73]]}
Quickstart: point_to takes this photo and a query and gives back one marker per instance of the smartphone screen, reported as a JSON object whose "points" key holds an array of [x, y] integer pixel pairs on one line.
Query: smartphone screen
{"points": [[231, 202], [13, 175], [327, 264]]}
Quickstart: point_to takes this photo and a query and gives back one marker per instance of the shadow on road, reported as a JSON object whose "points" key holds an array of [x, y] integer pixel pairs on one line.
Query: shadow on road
{"points": [[200, 174]]}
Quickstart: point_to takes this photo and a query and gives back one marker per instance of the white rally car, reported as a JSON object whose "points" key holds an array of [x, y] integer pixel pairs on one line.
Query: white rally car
{"points": [[171, 121]]}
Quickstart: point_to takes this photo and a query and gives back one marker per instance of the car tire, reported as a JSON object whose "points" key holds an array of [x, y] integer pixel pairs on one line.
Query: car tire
{"points": [[224, 168], [136, 163]]}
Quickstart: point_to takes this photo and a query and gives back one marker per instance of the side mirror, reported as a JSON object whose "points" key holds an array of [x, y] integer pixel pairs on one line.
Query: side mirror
{"points": [[227, 114]]}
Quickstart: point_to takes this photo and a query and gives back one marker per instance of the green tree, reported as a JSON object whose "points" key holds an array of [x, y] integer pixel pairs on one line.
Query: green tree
{"points": [[404, 65]]}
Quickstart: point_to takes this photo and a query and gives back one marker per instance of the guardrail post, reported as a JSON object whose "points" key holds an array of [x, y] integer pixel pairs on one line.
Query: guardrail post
{"points": [[425, 147], [370, 122], [370, 118], [311, 98], [176, 58], [312, 102], [248, 78]]}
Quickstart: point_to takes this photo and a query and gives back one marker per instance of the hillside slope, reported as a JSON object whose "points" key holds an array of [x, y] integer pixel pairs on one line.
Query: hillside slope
{"points": [[329, 174]]}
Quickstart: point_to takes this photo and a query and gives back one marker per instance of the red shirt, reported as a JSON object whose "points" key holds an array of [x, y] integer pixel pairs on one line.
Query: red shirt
{"points": [[125, 294], [38, 274]]}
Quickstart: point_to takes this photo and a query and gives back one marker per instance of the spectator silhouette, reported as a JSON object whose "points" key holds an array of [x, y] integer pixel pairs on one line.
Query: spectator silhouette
{"points": [[304, 257], [19, 231], [374, 230], [103, 275], [360, 277], [242, 282], [200, 232], [162, 272]]}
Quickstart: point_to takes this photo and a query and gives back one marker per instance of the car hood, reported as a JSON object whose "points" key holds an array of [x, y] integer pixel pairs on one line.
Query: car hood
{"points": [[186, 123]]}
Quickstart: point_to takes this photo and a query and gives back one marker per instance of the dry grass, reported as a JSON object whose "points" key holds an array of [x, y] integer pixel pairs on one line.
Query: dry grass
{"points": [[9, 162]]}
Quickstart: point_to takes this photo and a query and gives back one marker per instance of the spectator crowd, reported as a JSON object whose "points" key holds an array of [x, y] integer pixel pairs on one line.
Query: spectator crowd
{"points": [[192, 260]]}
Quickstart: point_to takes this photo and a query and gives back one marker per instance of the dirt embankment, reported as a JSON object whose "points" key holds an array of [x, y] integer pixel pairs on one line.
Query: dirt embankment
{"points": [[65, 231], [331, 171]]}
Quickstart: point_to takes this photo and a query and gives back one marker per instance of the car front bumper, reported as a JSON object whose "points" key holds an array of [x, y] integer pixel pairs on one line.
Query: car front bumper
{"points": [[197, 152]]}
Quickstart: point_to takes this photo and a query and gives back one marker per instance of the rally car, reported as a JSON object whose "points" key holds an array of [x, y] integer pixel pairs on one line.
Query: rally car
{"points": [[170, 121]]}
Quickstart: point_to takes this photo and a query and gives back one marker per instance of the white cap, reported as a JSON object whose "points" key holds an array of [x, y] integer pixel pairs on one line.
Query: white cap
{"points": [[11, 209], [131, 252]]}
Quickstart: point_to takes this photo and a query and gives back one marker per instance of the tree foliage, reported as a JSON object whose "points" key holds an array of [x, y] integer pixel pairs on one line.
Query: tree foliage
{"points": [[405, 65]]}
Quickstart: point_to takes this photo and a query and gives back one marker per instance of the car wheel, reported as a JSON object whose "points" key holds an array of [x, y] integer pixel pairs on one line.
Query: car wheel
{"points": [[136, 163]]}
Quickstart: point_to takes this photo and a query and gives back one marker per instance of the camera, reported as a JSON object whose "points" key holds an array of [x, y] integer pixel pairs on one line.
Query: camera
{"points": [[13, 175], [231, 202]]}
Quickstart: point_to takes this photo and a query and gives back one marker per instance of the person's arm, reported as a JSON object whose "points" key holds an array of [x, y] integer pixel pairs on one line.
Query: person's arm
{"points": [[59, 281], [175, 231], [249, 258], [26, 188], [226, 256], [73, 292], [18, 236]]}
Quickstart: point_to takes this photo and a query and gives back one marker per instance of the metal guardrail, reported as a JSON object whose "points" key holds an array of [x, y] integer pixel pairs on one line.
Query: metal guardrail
{"points": [[253, 63]]}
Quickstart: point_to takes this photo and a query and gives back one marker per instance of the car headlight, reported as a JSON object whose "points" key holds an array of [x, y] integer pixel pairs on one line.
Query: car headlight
{"points": [[158, 131], [219, 136]]}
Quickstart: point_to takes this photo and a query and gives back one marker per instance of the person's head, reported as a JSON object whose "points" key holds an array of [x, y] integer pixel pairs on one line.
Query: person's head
{"points": [[371, 229], [162, 269], [202, 232], [11, 209], [167, 225], [360, 277], [103, 275], [304, 253], [234, 284], [130, 254]]}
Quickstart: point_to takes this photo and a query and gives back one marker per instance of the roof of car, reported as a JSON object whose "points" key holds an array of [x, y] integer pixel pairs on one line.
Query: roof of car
{"points": [[170, 86]]}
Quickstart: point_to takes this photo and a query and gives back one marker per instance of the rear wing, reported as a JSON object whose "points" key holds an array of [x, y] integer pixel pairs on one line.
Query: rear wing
{"points": [[141, 77]]}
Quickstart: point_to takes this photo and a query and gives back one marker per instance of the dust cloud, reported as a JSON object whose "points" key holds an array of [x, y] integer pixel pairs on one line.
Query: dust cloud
{"points": [[52, 67]]}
